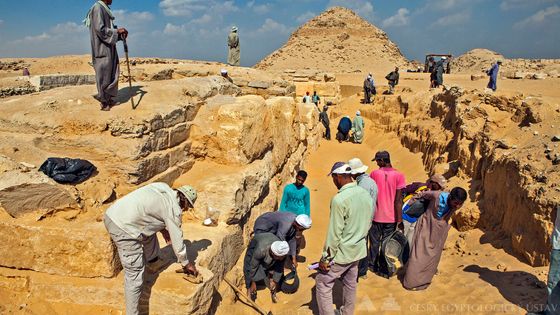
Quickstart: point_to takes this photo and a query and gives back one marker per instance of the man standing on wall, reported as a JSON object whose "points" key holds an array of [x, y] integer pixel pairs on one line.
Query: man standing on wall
{"points": [[104, 36]]}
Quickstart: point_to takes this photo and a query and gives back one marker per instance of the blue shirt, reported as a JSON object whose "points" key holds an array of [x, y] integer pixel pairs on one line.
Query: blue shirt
{"points": [[443, 207], [295, 200]]}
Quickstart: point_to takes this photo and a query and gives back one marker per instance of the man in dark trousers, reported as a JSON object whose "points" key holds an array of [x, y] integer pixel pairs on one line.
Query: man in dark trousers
{"points": [[285, 225], [264, 261], [104, 36], [388, 214], [393, 80], [324, 119]]}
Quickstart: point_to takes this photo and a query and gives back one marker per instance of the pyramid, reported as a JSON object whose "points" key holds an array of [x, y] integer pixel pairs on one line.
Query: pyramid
{"points": [[338, 40]]}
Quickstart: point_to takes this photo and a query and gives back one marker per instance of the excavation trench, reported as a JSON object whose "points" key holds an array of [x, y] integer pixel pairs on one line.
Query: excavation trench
{"points": [[481, 255]]}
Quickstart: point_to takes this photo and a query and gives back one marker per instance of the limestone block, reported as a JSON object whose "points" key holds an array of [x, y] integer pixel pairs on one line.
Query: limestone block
{"points": [[539, 76], [23, 191], [165, 74], [81, 250], [178, 135], [476, 77], [149, 167], [203, 88], [241, 82], [174, 117], [47, 82], [259, 84]]}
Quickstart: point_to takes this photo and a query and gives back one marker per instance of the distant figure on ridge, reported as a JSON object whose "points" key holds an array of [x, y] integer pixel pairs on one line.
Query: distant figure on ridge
{"points": [[439, 69], [225, 75], [26, 72], [315, 98], [493, 74], [324, 119], [369, 89], [104, 36], [393, 79], [234, 52], [358, 128], [306, 98]]}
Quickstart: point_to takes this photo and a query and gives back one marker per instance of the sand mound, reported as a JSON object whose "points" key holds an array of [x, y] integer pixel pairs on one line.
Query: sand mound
{"points": [[478, 60], [338, 40]]}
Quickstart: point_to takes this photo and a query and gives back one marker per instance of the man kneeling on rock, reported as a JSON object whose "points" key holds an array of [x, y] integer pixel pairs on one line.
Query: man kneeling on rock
{"points": [[133, 222], [264, 262], [287, 226]]}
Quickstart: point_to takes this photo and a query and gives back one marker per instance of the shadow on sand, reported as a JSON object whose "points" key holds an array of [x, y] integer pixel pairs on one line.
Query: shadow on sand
{"points": [[518, 287], [168, 256], [125, 93]]}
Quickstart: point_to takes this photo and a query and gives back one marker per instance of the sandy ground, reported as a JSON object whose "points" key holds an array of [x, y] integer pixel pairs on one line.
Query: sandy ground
{"points": [[474, 277]]}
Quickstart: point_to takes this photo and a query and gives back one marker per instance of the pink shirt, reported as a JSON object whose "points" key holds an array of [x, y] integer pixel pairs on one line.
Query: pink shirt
{"points": [[388, 180]]}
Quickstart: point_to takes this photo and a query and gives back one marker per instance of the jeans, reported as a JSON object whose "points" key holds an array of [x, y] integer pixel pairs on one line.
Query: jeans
{"points": [[553, 287], [377, 233]]}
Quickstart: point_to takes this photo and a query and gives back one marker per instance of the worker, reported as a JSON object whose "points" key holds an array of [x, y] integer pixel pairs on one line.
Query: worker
{"points": [[439, 69], [26, 72], [369, 89], [132, 223], [306, 98], [225, 75], [393, 80], [264, 262], [358, 128], [493, 76], [295, 198], [316, 99], [287, 226], [344, 127], [350, 219], [324, 119]]}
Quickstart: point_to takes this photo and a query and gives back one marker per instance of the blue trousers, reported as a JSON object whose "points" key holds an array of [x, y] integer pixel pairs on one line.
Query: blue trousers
{"points": [[553, 301]]}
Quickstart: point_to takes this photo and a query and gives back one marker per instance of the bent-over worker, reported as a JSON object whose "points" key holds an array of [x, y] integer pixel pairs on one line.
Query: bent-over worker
{"points": [[133, 222]]}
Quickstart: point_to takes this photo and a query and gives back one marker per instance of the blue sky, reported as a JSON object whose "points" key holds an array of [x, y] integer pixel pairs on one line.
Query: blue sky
{"points": [[197, 29]]}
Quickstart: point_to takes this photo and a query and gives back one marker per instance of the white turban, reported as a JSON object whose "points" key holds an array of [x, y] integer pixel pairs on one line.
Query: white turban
{"points": [[304, 221], [280, 248]]}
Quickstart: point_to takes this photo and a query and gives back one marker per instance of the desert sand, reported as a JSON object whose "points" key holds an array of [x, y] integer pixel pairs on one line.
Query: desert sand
{"points": [[240, 143]]}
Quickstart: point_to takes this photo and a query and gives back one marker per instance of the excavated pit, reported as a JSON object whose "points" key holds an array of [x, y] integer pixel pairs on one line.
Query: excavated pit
{"points": [[239, 143]]}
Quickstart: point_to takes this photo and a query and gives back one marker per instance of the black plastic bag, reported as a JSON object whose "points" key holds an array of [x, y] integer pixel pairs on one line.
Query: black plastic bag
{"points": [[67, 171]]}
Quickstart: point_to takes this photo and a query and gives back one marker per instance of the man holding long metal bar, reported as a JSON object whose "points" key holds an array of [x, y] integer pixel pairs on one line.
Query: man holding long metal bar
{"points": [[104, 36]]}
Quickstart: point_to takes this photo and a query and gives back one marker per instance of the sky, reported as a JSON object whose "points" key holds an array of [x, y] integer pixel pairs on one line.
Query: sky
{"points": [[198, 29]]}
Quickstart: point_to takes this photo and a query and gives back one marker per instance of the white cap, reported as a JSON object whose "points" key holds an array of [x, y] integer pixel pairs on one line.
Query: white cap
{"points": [[223, 71], [358, 113], [443, 58], [234, 28], [357, 166], [304, 221], [340, 168], [280, 248]]}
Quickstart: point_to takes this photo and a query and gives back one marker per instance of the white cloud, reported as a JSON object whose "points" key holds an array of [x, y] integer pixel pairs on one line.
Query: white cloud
{"points": [[270, 26], [204, 19], [362, 7], [539, 17], [259, 8], [518, 4], [133, 21], [63, 38], [188, 7], [453, 19], [305, 17], [182, 7], [401, 18], [172, 29]]}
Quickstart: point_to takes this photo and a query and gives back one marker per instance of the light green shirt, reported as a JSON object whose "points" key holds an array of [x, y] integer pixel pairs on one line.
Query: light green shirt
{"points": [[350, 220]]}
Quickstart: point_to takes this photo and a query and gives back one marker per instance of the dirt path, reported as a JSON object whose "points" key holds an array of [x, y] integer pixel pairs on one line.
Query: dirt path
{"points": [[474, 277]]}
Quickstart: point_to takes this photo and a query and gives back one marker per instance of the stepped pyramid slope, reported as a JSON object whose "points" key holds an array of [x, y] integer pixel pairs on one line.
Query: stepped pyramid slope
{"points": [[340, 41]]}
